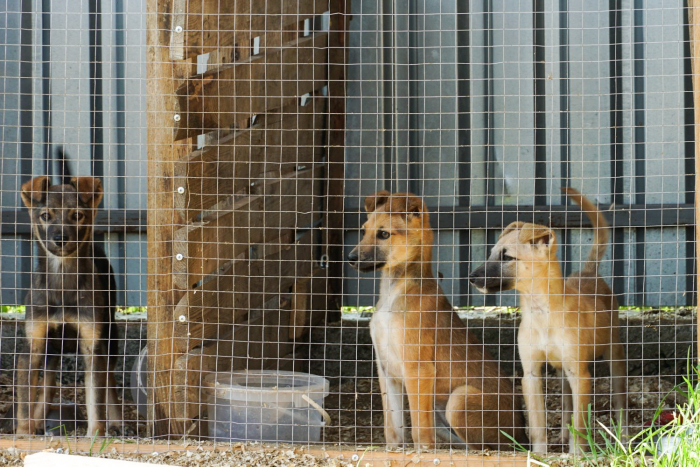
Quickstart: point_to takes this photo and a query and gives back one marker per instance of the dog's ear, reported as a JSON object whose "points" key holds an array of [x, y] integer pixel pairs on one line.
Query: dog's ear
{"points": [[34, 191], [406, 203], [537, 235], [89, 189], [373, 202], [511, 227]]}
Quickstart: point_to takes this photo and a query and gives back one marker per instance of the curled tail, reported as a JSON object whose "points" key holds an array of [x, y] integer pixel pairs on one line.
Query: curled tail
{"points": [[62, 169], [600, 229]]}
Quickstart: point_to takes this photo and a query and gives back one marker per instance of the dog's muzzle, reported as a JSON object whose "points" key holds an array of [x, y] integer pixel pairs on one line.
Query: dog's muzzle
{"points": [[362, 265], [489, 283], [477, 278], [353, 258]]}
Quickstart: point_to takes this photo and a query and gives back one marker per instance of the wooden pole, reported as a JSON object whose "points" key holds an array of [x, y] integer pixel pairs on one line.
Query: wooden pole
{"points": [[337, 60], [163, 79]]}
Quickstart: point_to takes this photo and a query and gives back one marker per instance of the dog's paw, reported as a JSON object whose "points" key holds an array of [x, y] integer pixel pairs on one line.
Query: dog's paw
{"points": [[25, 428]]}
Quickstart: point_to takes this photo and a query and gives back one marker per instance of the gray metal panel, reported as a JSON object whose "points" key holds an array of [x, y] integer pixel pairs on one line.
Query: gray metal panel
{"points": [[10, 168], [664, 177], [14, 252], [434, 103], [403, 125], [60, 106], [135, 166], [513, 91], [364, 139], [480, 100], [589, 102], [556, 100], [589, 54], [70, 82]]}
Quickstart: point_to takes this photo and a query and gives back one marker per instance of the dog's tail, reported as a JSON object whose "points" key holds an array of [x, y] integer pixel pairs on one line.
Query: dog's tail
{"points": [[600, 229], [62, 168]]}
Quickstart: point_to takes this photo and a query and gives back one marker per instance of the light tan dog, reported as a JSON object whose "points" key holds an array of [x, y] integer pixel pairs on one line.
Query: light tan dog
{"points": [[567, 324], [423, 348]]}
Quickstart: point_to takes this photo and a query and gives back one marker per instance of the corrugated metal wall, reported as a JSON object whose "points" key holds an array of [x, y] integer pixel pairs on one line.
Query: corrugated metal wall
{"points": [[74, 75], [479, 106], [492, 105]]}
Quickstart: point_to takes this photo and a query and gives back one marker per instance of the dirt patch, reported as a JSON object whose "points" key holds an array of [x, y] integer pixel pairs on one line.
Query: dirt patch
{"points": [[355, 408], [76, 423]]}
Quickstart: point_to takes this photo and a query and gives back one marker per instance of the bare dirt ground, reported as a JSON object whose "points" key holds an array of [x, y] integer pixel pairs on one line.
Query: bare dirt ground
{"points": [[356, 412], [355, 408], [133, 425]]}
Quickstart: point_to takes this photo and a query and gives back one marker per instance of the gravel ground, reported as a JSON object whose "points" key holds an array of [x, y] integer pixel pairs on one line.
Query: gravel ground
{"points": [[356, 412], [259, 456]]}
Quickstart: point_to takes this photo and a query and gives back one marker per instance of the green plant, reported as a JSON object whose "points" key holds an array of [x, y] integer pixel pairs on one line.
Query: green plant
{"points": [[106, 442], [672, 444], [131, 309], [650, 447], [357, 309], [12, 308], [65, 434]]}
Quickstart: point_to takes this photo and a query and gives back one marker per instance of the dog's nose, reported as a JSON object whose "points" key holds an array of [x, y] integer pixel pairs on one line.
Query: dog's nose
{"points": [[473, 276], [60, 239], [353, 257]]}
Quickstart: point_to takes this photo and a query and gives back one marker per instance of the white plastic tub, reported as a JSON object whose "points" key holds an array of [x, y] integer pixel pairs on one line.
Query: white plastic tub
{"points": [[270, 406]]}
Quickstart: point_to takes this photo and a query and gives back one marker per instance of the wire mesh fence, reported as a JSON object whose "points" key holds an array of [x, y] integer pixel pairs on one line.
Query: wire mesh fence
{"points": [[200, 198]]}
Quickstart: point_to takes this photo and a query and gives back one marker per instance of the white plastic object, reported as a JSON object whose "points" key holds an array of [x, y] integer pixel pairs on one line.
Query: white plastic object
{"points": [[266, 405]]}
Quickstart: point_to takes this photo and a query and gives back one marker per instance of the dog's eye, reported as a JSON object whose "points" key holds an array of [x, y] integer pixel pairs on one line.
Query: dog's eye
{"points": [[45, 216], [78, 216], [506, 257], [383, 234]]}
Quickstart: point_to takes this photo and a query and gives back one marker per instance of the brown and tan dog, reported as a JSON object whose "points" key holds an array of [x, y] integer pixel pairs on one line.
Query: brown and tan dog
{"points": [[70, 306], [422, 347], [567, 324]]}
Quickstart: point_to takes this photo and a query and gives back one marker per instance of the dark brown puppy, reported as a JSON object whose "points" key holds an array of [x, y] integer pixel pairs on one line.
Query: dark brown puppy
{"points": [[423, 348], [69, 307]]}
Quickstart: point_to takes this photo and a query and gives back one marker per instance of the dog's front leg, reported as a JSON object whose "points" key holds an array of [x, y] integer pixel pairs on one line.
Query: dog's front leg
{"points": [[28, 375], [24, 408], [580, 381], [420, 388], [392, 403], [534, 396], [567, 407], [618, 375], [95, 380], [47, 390]]}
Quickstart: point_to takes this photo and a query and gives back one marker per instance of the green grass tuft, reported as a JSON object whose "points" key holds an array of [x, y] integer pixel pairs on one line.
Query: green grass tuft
{"points": [[21, 309], [12, 308], [672, 445]]}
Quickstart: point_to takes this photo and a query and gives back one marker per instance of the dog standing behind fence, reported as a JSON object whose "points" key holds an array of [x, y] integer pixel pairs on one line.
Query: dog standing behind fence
{"points": [[567, 324], [423, 348], [70, 306]]}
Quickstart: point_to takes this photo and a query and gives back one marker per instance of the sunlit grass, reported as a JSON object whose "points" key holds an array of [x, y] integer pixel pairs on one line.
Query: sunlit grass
{"points": [[21, 309], [675, 443], [515, 309]]}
